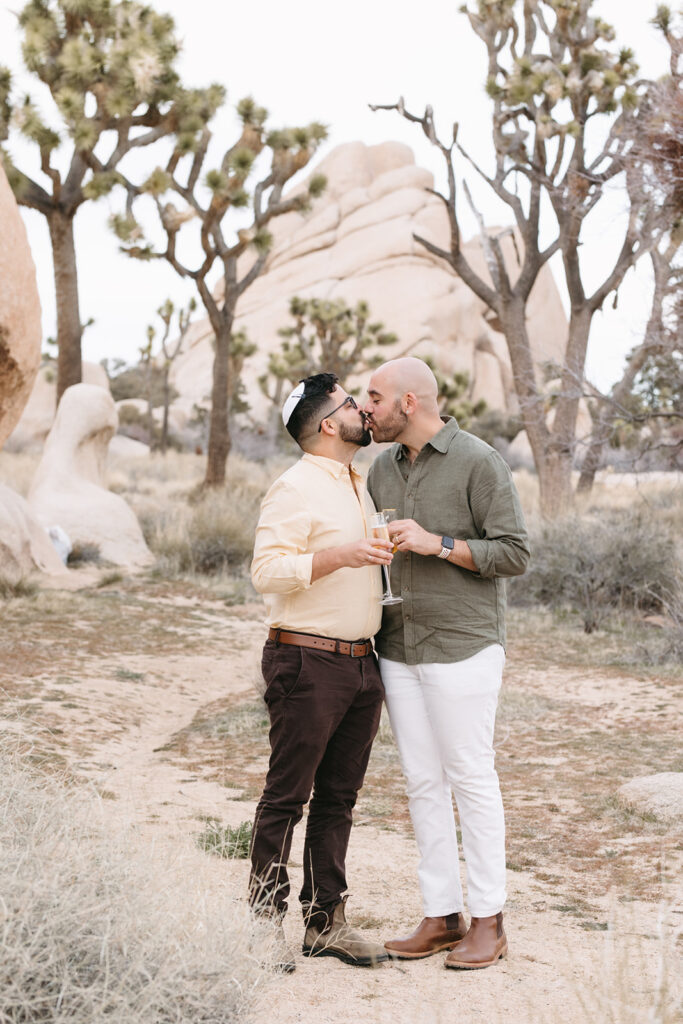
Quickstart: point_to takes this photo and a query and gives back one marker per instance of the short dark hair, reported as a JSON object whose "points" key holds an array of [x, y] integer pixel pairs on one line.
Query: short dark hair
{"points": [[310, 409]]}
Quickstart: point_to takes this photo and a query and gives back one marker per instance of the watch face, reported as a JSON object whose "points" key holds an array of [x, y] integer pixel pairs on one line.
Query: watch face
{"points": [[447, 542]]}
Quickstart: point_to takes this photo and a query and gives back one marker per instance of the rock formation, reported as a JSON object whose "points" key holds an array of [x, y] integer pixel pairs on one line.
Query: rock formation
{"points": [[20, 330], [69, 487], [660, 795], [357, 243], [39, 413], [24, 544]]}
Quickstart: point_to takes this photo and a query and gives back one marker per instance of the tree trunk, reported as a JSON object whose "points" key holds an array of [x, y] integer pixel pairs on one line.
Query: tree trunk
{"points": [[219, 430], [556, 490], [167, 401], [555, 484], [69, 365]]}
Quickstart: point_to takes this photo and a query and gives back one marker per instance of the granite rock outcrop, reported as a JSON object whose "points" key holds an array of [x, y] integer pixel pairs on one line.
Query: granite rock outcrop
{"points": [[357, 243], [20, 328]]}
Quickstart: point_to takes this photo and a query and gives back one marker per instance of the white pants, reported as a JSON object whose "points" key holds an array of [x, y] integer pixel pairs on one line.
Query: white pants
{"points": [[443, 718]]}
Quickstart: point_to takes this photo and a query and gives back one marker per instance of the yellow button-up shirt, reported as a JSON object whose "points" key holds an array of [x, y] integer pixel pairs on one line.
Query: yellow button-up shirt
{"points": [[318, 503]]}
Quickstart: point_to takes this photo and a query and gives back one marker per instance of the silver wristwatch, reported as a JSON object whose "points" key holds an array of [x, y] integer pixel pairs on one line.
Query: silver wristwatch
{"points": [[447, 545]]}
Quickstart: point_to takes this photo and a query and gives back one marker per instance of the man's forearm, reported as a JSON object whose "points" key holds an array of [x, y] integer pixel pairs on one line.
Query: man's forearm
{"points": [[460, 555], [327, 561]]}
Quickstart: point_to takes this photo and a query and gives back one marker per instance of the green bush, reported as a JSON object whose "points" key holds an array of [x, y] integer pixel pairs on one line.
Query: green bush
{"points": [[226, 841], [605, 561]]}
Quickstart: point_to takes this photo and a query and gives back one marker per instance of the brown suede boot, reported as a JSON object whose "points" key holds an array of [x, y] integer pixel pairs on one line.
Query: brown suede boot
{"points": [[431, 936], [484, 944], [338, 939]]}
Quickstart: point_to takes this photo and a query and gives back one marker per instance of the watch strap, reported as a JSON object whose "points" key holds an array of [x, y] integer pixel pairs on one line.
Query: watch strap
{"points": [[447, 545]]}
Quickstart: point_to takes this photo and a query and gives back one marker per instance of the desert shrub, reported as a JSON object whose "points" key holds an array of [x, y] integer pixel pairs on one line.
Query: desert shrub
{"points": [[16, 588], [82, 554], [95, 927], [598, 563], [209, 533], [212, 536], [226, 840]]}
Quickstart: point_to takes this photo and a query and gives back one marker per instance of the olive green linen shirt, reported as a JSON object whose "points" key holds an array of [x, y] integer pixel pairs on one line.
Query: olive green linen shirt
{"points": [[459, 486]]}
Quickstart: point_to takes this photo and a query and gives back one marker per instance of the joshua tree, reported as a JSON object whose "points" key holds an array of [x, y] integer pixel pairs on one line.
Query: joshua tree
{"points": [[168, 314], [325, 334], [650, 387], [109, 68], [551, 76], [210, 195]]}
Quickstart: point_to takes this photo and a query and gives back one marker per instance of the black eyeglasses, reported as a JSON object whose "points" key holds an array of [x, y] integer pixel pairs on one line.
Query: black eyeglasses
{"points": [[349, 400]]}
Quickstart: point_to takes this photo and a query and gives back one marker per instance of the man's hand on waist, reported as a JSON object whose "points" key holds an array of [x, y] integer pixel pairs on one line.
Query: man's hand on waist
{"points": [[408, 535], [356, 555]]}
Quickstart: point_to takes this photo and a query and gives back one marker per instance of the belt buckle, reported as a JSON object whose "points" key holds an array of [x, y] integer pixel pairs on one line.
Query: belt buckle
{"points": [[356, 644]]}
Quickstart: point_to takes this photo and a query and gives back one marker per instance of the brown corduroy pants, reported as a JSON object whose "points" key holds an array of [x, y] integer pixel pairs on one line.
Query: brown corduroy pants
{"points": [[324, 713]]}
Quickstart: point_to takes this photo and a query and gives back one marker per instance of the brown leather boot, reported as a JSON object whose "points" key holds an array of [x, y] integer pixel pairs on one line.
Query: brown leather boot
{"points": [[484, 944], [431, 936]]}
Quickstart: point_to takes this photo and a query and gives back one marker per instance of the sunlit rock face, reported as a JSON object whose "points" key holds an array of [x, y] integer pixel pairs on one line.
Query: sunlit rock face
{"points": [[357, 243], [20, 330]]}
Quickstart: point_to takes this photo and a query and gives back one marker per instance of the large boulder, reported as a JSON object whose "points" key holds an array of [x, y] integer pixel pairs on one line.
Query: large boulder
{"points": [[24, 545], [39, 413], [69, 487], [357, 243], [20, 330], [659, 795]]}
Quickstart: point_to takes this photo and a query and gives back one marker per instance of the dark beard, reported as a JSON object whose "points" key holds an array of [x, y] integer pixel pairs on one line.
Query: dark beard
{"points": [[359, 435], [392, 426]]}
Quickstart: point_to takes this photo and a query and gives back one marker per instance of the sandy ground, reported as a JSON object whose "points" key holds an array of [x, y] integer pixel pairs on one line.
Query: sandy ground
{"points": [[113, 732]]}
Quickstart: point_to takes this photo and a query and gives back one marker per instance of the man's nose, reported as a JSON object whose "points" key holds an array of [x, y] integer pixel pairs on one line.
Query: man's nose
{"points": [[367, 408]]}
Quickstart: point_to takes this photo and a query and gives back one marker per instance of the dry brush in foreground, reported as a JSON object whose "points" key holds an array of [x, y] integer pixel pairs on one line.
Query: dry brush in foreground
{"points": [[95, 926]]}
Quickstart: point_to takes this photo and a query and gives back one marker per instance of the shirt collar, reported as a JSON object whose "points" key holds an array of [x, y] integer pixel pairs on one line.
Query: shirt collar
{"points": [[335, 468], [441, 440]]}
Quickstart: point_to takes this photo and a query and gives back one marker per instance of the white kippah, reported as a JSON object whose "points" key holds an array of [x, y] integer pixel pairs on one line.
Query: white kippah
{"points": [[291, 403]]}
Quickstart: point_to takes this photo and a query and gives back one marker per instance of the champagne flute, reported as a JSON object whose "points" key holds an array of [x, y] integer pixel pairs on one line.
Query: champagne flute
{"points": [[390, 514], [380, 530]]}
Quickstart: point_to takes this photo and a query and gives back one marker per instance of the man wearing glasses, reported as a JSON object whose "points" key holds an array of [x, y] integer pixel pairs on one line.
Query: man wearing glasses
{"points": [[459, 532], [320, 577]]}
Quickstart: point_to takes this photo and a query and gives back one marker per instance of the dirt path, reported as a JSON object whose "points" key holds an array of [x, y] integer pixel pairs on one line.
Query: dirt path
{"points": [[155, 733]]}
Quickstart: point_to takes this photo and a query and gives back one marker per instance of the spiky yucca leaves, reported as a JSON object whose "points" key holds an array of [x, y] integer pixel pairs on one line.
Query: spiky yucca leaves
{"points": [[553, 73], [326, 335], [249, 177], [540, 96], [109, 66]]}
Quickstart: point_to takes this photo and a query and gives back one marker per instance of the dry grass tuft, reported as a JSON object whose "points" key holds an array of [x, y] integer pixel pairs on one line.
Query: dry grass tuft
{"points": [[95, 927], [10, 589], [190, 532]]}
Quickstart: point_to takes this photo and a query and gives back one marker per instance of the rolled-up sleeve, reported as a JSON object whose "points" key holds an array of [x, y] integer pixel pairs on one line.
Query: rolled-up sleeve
{"points": [[281, 563], [502, 548]]}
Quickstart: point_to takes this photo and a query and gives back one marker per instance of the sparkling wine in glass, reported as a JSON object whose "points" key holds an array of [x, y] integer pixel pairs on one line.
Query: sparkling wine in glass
{"points": [[380, 530], [390, 514]]}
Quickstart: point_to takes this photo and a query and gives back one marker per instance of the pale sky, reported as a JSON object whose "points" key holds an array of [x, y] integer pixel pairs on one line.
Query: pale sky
{"points": [[306, 61]]}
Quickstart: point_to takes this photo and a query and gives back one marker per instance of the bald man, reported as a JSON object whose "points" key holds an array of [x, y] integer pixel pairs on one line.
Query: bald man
{"points": [[459, 532]]}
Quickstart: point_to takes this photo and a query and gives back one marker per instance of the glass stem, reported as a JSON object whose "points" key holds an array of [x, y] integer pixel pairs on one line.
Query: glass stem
{"points": [[385, 570]]}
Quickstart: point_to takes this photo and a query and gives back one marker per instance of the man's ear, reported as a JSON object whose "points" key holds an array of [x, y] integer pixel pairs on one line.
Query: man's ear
{"points": [[329, 427], [409, 403]]}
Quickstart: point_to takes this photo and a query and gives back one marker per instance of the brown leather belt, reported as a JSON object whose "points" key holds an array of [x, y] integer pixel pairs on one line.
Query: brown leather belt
{"points": [[357, 649]]}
